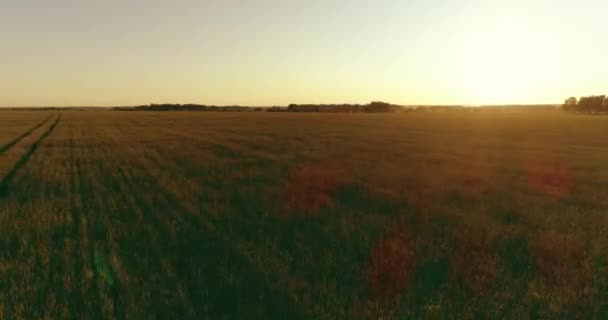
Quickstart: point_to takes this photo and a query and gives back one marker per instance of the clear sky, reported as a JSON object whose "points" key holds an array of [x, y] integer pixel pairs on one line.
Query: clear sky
{"points": [[276, 52]]}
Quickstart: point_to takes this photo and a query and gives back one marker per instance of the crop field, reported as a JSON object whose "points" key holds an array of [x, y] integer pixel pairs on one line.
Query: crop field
{"points": [[202, 215]]}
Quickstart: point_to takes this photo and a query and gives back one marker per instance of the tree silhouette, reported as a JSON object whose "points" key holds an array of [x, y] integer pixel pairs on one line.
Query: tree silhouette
{"points": [[591, 104]]}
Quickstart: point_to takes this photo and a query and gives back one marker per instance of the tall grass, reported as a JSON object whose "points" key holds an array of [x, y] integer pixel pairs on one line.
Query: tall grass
{"points": [[285, 216]]}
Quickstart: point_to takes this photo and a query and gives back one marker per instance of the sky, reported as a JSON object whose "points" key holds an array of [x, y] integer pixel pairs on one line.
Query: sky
{"points": [[276, 52]]}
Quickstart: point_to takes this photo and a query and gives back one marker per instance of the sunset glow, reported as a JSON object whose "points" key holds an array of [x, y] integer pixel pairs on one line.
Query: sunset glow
{"points": [[272, 52]]}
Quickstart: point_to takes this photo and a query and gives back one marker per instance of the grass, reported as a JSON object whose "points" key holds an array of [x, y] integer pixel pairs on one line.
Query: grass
{"points": [[490, 214]]}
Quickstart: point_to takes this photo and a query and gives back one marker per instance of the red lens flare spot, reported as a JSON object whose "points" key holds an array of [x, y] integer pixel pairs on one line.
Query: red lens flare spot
{"points": [[550, 176]]}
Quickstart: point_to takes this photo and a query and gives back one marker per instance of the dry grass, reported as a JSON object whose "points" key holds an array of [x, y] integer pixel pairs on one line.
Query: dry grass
{"points": [[550, 176], [559, 258], [216, 215], [391, 264], [475, 178], [313, 186], [474, 258]]}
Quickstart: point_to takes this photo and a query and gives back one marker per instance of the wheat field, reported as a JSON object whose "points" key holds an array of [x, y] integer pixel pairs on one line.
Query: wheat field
{"points": [[202, 215]]}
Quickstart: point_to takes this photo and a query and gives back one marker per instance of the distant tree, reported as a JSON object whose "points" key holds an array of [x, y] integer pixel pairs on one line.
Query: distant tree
{"points": [[570, 104], [590, 104], [379, 106]]}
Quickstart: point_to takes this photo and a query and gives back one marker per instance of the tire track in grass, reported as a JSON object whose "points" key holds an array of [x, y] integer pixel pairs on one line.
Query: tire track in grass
{"points": [[107, 286], [9, 145], [177, 266], [8, 179], [61, 286], [93, 189], [78, 306], [82, 297], [86, 237], [120, 185], [60, 245], [54, 263]]}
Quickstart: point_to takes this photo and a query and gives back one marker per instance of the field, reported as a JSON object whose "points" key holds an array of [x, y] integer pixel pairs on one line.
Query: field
{"points": [[184, 215]]}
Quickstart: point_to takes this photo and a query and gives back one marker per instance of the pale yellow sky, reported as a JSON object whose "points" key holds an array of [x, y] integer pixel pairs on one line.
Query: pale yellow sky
{"points": [[272, 52]]}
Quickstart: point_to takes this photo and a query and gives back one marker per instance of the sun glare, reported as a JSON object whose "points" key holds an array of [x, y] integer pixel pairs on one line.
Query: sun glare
{"points": [[500, 63]]}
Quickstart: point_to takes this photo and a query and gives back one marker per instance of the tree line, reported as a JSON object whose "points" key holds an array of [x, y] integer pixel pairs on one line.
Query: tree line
{"points": [[183, 107], [589, 104], [375, 106]]}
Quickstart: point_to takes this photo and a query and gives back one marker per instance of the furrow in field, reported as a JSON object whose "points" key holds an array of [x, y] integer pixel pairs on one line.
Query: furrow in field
{"points": [[65, 175], [102, 207], [86, 215], [127, 210], [66, 289], [25, 156], [71, 260], [14, 124], [12, 151], [30, 218], [13, 142]]}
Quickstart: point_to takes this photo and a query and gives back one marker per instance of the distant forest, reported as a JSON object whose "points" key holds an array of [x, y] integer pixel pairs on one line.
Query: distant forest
{"points": [[591, 104], [572, 104], [372, 107]]}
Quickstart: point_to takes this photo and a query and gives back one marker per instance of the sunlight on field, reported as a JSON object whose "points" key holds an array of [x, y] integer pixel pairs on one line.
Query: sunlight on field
{"points": [[491, 214]]}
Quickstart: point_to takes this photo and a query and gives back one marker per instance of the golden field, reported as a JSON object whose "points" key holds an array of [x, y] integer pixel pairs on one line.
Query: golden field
{"points": [[203, 215]]}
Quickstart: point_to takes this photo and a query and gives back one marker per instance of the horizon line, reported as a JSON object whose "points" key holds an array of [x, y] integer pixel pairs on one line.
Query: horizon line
{"points": [[272, 106]]}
